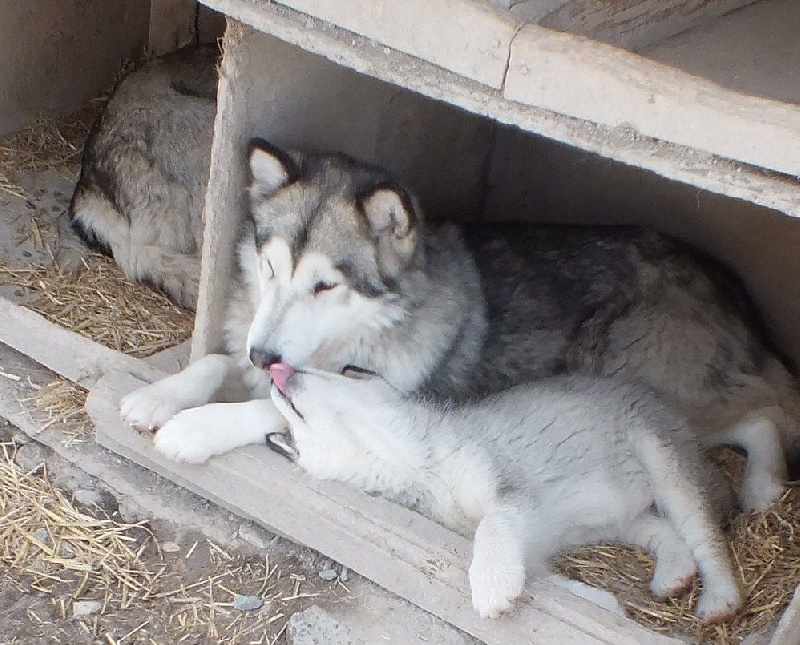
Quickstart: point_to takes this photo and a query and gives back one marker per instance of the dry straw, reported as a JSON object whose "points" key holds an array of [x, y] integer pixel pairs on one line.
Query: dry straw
{"points": [[46, 538], [99, 302], [44, 144], [62, 403], [766, 551], [53, 547]]}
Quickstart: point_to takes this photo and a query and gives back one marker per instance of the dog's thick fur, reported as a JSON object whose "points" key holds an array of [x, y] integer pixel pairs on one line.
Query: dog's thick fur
{"points": [[529, 471], [339, 268], [144, 172]]}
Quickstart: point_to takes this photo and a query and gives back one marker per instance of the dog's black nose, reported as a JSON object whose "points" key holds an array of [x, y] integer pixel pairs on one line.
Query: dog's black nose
{"points": [[262, 359]]}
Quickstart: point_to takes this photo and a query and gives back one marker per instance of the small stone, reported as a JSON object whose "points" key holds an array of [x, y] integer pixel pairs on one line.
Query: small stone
{"points": [[130, 511], [31, 457], [88, 497], [344, 576], [246, 603], [170, 547], [255, 535], [19, 437], [82, 608], [328, 574], [314, 626], [42, 536]]}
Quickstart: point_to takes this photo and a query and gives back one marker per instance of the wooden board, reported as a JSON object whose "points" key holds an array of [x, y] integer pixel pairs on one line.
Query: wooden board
{"points": [[467, 37], [679, 162], [633, 24], [603, 84], [396, 548], [66, 353], [173, 24]]}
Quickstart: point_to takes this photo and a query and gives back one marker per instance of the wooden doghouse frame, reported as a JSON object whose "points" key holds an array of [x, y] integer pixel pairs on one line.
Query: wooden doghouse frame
{"points": [[504, 61]]}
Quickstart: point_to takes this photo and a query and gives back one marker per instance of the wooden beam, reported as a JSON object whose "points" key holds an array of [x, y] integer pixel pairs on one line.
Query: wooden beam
{"points": [[602, 84], [468, 37], [633, 24], [68, 354], [392, 546]]}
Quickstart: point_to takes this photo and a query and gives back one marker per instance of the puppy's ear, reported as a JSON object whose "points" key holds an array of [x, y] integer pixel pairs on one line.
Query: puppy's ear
{"points": [[271, 167], [394, 220]]}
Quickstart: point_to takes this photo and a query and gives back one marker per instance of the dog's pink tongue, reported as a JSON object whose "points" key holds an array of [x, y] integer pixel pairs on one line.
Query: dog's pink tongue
{"points": [[281, 373]]}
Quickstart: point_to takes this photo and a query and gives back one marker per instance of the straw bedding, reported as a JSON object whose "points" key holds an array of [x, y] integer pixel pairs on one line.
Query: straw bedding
{"points": [[766, 552], [99, 302], [66, 552]]}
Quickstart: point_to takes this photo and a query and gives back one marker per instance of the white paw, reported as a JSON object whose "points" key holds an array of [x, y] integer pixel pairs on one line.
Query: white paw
{"points": [[759, 492], [496, 583], [673, 575], [719, 604], [149, 408], [186, 437], [198, 433]]}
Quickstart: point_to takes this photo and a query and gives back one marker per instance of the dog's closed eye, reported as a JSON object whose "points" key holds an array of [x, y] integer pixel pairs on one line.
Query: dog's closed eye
{"points": [[352, 371]]}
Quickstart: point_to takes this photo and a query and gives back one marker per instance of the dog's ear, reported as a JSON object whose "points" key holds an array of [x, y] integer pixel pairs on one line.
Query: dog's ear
{"points": [[271, 167], [394, 220]]}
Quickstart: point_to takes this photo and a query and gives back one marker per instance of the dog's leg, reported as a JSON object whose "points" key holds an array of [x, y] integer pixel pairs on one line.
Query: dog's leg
{"points": [[497, 572], [176, 274], [675, 565], [196, 434], [684, 503], [150, 407], [765, 473]]}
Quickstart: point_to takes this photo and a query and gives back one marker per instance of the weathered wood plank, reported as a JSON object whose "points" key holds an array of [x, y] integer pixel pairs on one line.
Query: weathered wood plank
{"points": [[66, 353], [400, 550], [603, 84], [633, 24], [677, 162], [464, 36]]}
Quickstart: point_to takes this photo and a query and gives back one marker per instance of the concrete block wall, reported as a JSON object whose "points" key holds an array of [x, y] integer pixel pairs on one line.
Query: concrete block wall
{"points": [[56, 54]]}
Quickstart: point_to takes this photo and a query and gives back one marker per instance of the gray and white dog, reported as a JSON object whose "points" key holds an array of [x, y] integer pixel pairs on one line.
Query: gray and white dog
{"points": [[144, 172], [338, 267], [529, 471]]}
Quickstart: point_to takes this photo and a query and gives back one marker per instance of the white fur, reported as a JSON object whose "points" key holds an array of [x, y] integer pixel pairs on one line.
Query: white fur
{"points": [[530, 471], [149, 408], [196, 434]]}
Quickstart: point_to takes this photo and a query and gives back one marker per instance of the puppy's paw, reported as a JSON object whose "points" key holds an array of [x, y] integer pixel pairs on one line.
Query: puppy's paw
{"points": [[673, 575], [496, 583], [718, 604], [149, 408], [187, 437]]}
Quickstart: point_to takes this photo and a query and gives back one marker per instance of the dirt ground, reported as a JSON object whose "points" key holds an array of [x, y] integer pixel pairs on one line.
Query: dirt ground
{"points": [[191, 586]]}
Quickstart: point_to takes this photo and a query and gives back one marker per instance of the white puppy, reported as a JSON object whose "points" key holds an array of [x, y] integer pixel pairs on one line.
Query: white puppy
{"points": [[530, 471]]}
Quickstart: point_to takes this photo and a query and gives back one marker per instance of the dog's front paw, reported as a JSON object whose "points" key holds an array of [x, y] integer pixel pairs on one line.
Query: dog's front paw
{"points": [[718, 604], [187, 437], [496, 583], [150, 407]]}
